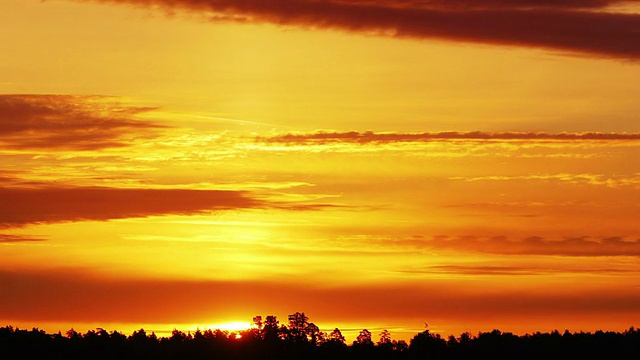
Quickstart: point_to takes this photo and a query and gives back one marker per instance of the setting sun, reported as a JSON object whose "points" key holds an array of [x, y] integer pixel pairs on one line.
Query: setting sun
{"points": [[233, 326]]}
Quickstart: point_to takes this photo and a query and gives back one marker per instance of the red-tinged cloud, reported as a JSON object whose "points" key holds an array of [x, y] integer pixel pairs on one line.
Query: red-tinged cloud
{"points": [[79, 297], [493, 270], [68, 122], [612, 246], [372, 137], [495, 4], [563, 26], [10, 239], [23, 206]]}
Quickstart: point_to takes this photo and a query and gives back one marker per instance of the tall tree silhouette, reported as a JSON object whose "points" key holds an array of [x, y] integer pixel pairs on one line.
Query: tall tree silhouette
{"points": [[385, 337], [364, 337], [298, 327], [336, 335], [271, 328]]}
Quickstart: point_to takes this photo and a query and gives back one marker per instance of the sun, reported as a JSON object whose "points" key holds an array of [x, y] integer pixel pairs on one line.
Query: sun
{"points": [[232, 326]]}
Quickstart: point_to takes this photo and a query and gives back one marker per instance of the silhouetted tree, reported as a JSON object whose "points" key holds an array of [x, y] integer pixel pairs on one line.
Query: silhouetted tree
{"points": [[72, 334], [336, 335], [400, 346], [315, 335], [98, 344], [258, 324], [385, 337], [298, 327], [271, 328], [428, 345], [364, 338]]}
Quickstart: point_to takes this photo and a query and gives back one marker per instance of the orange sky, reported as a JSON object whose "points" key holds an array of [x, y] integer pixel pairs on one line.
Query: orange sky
{"points": [[374, 164]]}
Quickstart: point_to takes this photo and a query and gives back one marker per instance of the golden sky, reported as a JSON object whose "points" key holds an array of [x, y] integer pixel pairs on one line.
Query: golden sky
{"points": [[381, 164]]}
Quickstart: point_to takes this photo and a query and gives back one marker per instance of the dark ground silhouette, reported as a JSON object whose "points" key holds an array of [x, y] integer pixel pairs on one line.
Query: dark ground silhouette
{"points": [[302, 339]]}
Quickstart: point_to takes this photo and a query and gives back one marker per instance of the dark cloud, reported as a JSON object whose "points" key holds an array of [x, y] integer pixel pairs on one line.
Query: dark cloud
{"points": [[372, 137], [68, 122], [78, 296], [7, 179], [22, 206], [9, 238], [494, 4], [563, 26], [492, 270], [583, 246]]}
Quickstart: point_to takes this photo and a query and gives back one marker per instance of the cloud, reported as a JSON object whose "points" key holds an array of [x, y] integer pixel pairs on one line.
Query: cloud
{"points": [[492, 270], [7, 177], [64, 295], [320, 138], [582, 246], [579, 26], [11, 239], [515, 4], [608, 180], [24, 206], [68, 122]]}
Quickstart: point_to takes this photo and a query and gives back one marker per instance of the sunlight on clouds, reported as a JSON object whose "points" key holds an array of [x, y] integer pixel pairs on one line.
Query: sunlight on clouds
{"points": [[591, 179], [625, 7]]}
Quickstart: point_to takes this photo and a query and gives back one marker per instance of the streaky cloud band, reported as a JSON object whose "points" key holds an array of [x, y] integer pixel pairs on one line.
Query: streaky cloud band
{"points": [[579, 26], [374, 137]]}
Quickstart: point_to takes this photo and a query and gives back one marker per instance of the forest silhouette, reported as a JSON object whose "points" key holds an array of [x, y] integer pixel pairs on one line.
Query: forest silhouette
{"points": [[302, 339]]}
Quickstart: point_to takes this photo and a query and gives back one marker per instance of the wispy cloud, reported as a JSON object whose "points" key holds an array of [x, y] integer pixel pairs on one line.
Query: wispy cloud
{"points": [[608, 180], [68, 122], [580, 246], [11, 239], [492, 270], [568, 26], [366, 137]]}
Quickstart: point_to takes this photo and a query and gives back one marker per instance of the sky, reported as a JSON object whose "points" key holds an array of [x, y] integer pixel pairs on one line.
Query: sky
{"points": [[462, 165]]}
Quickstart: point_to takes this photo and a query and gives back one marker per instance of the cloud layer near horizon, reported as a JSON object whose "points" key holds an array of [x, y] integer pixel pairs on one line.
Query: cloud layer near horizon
{"points": [[563, 26], [68, 122], [136, 300]]}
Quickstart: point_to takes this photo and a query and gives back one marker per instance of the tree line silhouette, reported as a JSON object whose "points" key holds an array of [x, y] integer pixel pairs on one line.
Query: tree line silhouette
{"points": [[301, 339]]}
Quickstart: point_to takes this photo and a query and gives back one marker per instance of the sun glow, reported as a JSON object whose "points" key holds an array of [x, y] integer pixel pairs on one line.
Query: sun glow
{"points": [[230, 326]]}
